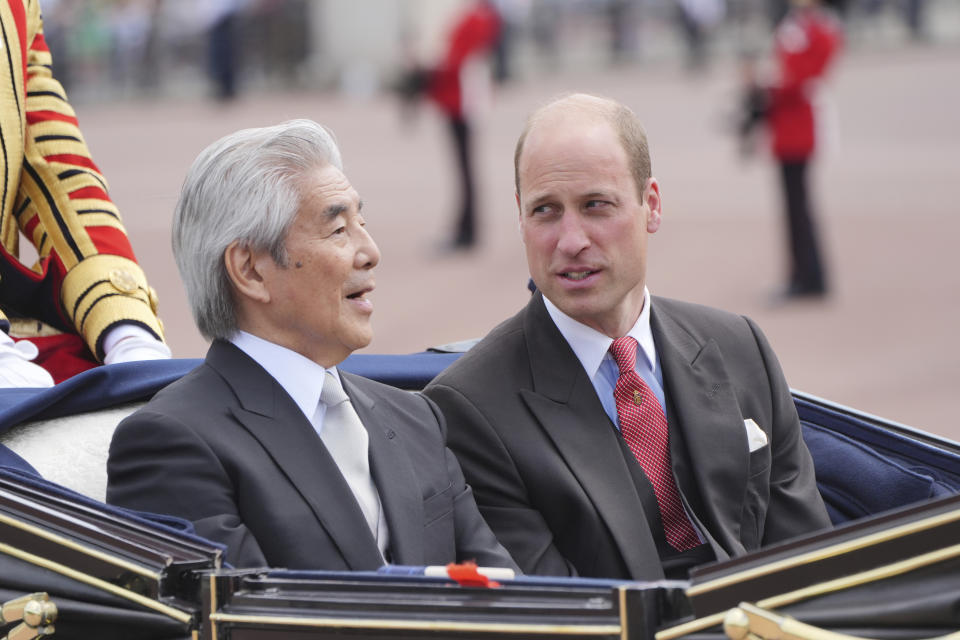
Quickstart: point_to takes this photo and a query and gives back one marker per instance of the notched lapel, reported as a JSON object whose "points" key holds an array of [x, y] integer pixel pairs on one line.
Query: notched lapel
{"points": [[581, 432], [394, 475], [273, 418], [296, 448], [565, 404], [708, 415]]}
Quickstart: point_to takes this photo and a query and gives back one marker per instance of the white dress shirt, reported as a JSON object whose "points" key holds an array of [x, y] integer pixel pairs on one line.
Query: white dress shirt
{"points": [[592, 349], [299, 376]]}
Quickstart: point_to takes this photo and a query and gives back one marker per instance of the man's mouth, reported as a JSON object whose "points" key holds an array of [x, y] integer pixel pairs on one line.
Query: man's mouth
{"points": [[577, 275], [360, 293]]}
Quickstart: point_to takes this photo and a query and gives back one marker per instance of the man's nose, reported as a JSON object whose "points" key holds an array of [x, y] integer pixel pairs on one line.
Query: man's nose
{"points": [[573, 235], [368, 253]]}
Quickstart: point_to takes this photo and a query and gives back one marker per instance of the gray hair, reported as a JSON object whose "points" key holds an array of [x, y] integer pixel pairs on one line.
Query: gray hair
{"points": [[244, 187]]}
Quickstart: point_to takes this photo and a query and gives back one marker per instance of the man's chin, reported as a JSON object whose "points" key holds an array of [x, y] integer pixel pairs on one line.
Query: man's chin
{"points": [[583, 310], [572, 303], [362, 339]]}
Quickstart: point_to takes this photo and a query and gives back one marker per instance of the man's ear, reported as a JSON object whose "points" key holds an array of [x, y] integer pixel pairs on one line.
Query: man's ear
{"points": [[245, 268], [651, 198]]}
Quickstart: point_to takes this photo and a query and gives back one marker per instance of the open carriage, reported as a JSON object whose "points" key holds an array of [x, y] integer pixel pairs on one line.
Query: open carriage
{"points": [[75, 567]]}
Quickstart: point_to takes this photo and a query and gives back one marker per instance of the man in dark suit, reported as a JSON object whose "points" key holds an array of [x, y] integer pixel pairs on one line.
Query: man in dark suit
{"points": [[606, 432], [259, 446]]}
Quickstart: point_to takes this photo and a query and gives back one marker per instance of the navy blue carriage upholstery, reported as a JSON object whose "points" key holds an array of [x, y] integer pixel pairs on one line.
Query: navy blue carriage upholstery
{"points": [[863, 467]]}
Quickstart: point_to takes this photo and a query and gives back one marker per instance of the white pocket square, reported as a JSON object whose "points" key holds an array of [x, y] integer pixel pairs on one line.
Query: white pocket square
{"points": [[756, 437]]}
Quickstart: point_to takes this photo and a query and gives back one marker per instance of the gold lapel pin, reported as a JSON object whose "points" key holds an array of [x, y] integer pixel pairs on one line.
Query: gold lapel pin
{"points": [[637, 397]]}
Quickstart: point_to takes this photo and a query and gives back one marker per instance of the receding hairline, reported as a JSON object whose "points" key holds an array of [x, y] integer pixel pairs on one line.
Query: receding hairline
{"points": [[598, 108], [572, 103]]}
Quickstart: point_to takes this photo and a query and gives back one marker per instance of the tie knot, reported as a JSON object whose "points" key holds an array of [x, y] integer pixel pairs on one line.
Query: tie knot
{"points": [[332, 393], [624, 352]]}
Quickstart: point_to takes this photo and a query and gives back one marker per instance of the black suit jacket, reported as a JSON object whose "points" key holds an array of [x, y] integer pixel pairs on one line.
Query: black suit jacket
{"points": [[227, 448], [546, 463]]}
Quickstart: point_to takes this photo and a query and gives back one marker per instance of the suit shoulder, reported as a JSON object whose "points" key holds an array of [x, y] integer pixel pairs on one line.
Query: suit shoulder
{"points": [[201, 381], [704, 323], [699, 318], [499, 352], [693, 310], [198, 393]]}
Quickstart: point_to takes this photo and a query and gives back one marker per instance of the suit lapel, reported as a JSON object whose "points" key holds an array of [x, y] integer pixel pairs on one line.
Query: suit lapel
{"points": [[565, 404], [708, 416], [393, 474], [273, 418]]}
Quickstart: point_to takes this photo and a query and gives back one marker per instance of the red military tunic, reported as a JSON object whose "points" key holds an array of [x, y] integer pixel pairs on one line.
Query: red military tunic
{"points": [[475, 32], [806, 41]]}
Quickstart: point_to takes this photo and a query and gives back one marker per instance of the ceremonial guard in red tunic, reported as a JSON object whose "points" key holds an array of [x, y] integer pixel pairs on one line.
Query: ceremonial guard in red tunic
{"points": [[86, 282], [807, 40], [474, 33]]}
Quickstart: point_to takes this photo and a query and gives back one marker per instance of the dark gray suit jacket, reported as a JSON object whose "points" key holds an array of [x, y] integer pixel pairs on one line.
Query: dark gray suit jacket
{"points": [[546, 463], [227, 448]]}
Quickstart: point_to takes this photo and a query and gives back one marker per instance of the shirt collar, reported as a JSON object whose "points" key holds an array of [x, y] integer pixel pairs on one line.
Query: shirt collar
{"points": [[591, 346], [300, 377]]}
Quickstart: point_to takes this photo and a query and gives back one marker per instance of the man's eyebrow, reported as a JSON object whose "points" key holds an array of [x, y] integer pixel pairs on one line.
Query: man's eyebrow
{"points": [[334, 210], [539, 199]]}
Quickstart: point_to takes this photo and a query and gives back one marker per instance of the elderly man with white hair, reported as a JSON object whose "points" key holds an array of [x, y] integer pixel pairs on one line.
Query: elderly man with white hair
{"points": [[267, 446]]}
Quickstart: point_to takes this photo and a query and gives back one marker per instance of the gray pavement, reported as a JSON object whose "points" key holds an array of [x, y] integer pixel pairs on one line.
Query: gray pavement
{"points": [[887, 196]]}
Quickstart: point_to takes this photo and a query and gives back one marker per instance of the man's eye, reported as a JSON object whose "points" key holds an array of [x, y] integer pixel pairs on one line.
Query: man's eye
{"points": [[542, 209], [596, 204], [339, 231]]}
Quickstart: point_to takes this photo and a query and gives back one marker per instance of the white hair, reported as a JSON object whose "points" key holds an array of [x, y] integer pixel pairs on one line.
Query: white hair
{"points": [[245, 187]]}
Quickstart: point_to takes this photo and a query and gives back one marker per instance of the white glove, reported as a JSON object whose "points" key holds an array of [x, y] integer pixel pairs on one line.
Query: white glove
{"points": [[16, 370], [130, 343]]}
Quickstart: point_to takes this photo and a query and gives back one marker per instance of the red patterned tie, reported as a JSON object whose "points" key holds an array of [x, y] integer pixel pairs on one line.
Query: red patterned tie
{"points": [[644, 427]]}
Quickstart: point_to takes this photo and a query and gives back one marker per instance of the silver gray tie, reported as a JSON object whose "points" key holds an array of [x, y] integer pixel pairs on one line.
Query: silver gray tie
{"points": [[348, 443]]}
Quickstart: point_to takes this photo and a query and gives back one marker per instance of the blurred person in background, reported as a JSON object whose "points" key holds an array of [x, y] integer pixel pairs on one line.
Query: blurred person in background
{"points": [[914, 14], [805, 44], [623, 18], [132, 29], [697, 19], [513, 14], [474, 33], [222, 17], [85, 300]]}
